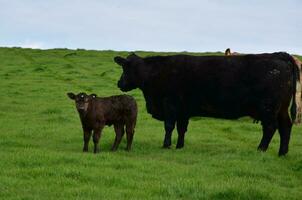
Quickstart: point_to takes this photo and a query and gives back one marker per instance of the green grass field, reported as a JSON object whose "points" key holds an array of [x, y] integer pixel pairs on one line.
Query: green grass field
{"points": [[41, 141]]}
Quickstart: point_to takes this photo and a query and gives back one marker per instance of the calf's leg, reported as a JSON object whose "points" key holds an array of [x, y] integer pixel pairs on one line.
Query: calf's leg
{"points": [[86, 138], [182, 126], [119, 133], [130, 132], [96, 138]]}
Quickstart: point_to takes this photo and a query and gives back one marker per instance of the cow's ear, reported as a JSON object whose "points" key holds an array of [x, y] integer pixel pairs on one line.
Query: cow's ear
{"points": [[133, 55], [71, 95], [93, 96], [120, 61]]}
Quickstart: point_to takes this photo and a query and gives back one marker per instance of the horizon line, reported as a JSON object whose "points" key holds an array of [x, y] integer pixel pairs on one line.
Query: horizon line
{"points": [[138, 50]]}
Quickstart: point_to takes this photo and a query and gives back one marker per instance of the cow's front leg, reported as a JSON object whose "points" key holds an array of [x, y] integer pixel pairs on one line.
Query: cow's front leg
{"points": [[169, 127], [170, 119], [96, 138], [182, 126]]}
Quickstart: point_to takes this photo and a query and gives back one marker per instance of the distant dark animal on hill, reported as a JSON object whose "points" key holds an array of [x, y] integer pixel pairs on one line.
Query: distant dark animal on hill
{"points": [[96, 112], [181, 86], [229, 53]]}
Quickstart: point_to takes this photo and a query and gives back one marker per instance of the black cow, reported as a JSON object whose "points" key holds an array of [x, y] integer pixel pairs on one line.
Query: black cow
{"points": [[181, 86]]}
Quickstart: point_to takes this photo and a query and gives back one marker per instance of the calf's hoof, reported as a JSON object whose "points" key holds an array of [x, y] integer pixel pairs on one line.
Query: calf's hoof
{"points": [[113, 149], [128, 147], [96, 151]]}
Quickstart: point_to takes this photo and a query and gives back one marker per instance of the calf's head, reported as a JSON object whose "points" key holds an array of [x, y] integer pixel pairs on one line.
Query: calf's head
{"points": [[82, 100], [130, 78]]}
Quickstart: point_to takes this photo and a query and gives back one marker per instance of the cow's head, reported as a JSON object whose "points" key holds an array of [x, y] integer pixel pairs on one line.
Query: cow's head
{"points": [[81, 100], [130, 78]]}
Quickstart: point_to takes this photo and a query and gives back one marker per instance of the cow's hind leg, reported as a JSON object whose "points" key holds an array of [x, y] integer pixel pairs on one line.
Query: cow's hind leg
{"points": [[182, 126], [285, 126], [269, 128], [119, 133]]}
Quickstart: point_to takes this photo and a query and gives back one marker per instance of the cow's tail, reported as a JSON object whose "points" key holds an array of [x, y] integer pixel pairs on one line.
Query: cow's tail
{"points": [[296, 79]]}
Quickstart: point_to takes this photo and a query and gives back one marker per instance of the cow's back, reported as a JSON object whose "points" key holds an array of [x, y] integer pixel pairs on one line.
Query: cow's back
{"points": [[220, 86]]}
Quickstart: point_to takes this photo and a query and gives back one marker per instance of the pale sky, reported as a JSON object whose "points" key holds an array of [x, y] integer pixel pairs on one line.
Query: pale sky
{"points": [[252, 26]]}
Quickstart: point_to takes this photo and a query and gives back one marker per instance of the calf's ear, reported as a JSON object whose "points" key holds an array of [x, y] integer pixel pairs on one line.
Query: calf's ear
{"points": [[119, 60], [93, 96], [71, 95]]}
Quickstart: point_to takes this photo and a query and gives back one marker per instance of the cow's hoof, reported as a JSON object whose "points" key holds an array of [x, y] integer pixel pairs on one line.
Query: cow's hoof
{"points": [[167, 144], [179, 146], [282, 153], [262, 149], [166, 147]]}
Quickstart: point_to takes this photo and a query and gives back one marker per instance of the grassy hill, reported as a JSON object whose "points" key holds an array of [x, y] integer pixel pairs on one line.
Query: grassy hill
{"points": [[41, 141]]}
